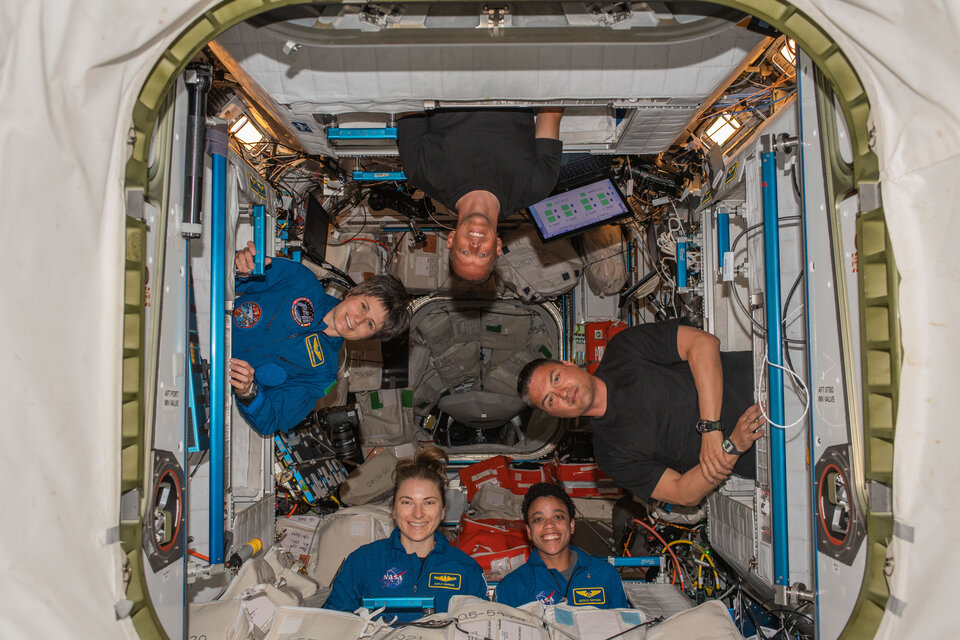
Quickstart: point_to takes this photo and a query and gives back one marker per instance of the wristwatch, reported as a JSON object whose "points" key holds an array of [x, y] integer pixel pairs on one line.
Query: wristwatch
{"points": [[729, 447], [246, 400], [704, 426]]}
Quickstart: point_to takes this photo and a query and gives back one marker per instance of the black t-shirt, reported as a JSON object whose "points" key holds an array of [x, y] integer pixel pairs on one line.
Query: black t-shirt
{"points": [[652, 408], [450, 153]]}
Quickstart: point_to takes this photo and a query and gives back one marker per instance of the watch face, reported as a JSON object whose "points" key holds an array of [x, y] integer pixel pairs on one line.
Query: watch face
{"points": [[730, 448]]}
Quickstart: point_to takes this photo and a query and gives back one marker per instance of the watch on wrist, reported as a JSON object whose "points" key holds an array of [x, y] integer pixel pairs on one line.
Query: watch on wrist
{"points": [[246, 400], [729, 447], [703, 426]]}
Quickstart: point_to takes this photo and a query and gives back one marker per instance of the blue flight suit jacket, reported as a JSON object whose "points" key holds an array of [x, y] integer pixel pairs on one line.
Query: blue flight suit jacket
{"points": [[278, 328], [594, 582], [385, 569]]}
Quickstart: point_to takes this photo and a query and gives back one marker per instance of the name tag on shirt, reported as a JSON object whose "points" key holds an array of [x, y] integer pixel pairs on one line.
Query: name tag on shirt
{"points": [[444, 581], [588, 595], [314, 350]]}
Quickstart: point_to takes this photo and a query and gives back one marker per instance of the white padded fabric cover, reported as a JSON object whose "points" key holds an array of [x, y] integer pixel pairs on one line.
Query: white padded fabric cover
{"points": [[604, 260], [220, 620], [296, 623], [341, 533], [536, 271], [708, 621]]}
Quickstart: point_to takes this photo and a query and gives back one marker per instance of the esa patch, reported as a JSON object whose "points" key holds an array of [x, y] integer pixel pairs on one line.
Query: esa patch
{"points": [[547, 597], [302, 311], [314, 350], [246, 315], [444, 581], [392, 578], [588, 595]]}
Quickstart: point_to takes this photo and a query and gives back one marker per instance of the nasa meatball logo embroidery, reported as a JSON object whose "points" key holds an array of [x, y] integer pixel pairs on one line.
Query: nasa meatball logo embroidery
{"points": [[246, 315], [392, 579], [302, 311], [546, 597]]}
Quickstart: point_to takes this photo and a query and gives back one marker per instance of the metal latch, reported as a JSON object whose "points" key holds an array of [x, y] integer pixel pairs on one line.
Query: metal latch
{"points": [[380, 17], [496, 15], [611, 14]]}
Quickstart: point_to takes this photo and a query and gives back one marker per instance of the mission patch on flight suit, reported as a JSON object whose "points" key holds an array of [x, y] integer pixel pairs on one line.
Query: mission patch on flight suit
{"points": [[246, 315], [302, 311]]}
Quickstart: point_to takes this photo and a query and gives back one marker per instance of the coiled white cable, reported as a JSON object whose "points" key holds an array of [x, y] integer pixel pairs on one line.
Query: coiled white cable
{"points": [[759, 388]]}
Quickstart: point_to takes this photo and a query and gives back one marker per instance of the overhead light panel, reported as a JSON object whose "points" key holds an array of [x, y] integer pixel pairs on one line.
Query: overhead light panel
{"points": [[784, 55], [245, 131], [789, 51], [722, 129]]}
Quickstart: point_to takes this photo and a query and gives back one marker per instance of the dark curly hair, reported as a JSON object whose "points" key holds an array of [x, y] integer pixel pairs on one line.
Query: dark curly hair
{"points": [[543, 490]]}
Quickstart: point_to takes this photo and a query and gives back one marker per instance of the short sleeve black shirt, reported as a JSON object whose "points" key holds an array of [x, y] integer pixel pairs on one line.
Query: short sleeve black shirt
{"points": [[450, 153], [652, 407]]}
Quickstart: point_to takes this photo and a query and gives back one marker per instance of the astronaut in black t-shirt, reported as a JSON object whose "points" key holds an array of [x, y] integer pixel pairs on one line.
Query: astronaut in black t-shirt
{"points": [[672, 417], [483, 164]]}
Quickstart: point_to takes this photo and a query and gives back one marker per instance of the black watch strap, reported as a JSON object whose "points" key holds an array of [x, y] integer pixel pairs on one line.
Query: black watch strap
{"points": [[246, 400], [703, 426], [729, 447]]}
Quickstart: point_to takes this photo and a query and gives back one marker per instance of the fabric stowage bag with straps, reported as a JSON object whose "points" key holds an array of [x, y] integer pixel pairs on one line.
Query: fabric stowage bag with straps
{"points": [[537, 271]]}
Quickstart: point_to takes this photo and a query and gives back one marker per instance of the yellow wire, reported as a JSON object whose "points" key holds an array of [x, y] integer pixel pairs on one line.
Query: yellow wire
{"points": [[716, 576], [703, 555], [689, 542]]}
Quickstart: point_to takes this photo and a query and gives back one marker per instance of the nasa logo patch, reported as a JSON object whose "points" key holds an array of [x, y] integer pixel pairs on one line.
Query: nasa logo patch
{"points": [[546, 597], [302, 311], [246, 315], [392, 578]]}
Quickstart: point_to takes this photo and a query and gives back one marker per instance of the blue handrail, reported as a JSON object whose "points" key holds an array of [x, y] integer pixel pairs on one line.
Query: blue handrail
{"points": [[723, 237], [358, 133], [778, 466], [682, 265], [217, 139], [259, 238], [636, 561], [377, 176], [425, 603]]}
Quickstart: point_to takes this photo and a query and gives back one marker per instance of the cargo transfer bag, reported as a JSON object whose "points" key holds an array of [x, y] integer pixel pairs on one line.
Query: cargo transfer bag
{"points": [[296, 623], [220, 620], [482, 619], [537, 271], [386, 417], [423, 268], [495, 502], [324, 543], [605, 260], [498, 546], [371, 481]]}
